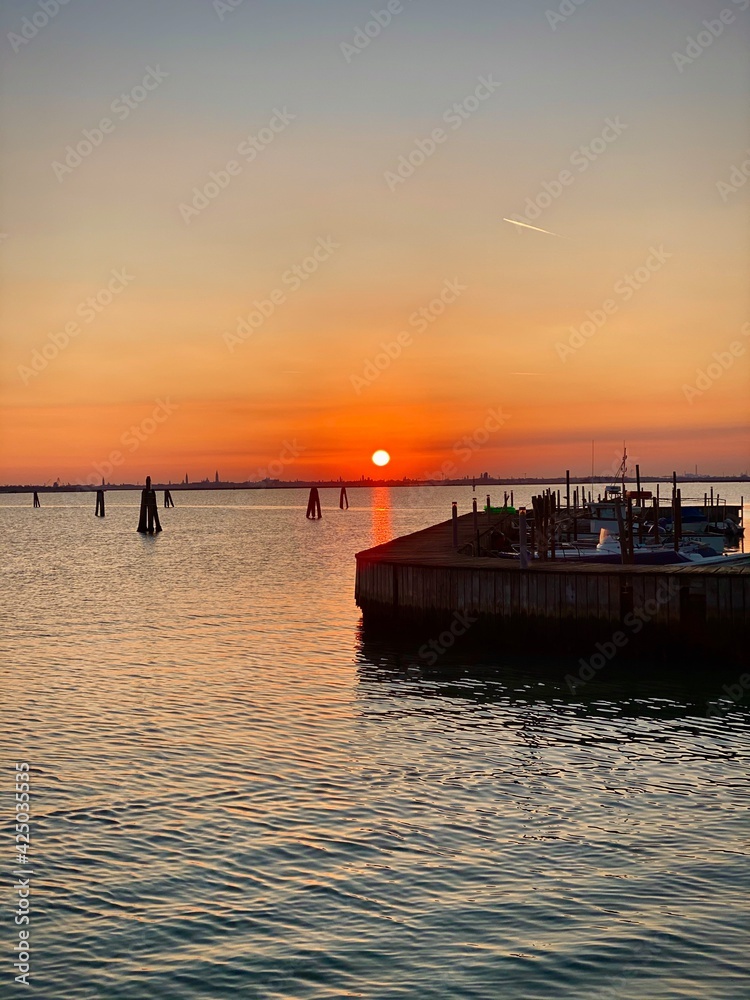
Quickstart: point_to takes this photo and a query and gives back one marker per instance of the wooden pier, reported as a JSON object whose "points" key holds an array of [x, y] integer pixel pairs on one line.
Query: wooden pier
{"points": [[426, 578]]}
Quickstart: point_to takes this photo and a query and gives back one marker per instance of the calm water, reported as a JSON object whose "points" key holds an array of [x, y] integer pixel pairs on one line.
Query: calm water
{"points": [[237, 794]]}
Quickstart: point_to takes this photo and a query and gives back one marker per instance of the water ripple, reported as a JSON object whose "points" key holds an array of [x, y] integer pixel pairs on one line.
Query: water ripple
{"points": [[237, 792]]}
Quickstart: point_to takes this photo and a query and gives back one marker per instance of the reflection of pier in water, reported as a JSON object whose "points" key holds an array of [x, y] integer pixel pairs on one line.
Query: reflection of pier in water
{"points": [[391, 667]]}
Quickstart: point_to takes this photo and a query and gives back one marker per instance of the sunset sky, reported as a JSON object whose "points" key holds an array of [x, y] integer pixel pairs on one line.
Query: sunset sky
{"points": [[584, 125]]}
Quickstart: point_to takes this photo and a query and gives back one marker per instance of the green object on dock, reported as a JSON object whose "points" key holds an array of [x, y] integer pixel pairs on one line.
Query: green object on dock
{"points": [[499, 510]]}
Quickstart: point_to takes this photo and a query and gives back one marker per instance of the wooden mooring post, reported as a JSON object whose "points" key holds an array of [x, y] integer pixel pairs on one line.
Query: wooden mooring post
{"points": [[313, 505], [99, 511], [454, 516], [640, 502], [168, 501], [623, 533], [148, 521], [343, 499], [742, 522], [36, 499], [544, 525], [552, 510], [523, 550], [677, 519]]}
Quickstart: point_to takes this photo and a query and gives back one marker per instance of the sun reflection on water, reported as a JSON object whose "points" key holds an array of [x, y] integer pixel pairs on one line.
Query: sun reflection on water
{"points": [[381, 515]]}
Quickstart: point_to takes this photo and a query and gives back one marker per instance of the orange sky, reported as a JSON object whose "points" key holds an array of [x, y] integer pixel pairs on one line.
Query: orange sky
{"points": [[299, 390]]}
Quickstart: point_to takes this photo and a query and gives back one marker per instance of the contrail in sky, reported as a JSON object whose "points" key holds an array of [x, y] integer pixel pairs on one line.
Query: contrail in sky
{"points": [[535, 228]]}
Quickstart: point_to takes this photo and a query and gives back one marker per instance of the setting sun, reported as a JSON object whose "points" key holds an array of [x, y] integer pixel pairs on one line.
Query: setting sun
{"points": [[381, 458]]}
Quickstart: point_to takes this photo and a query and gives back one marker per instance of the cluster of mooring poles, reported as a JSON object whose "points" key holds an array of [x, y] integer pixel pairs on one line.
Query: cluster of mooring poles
{"points": [[148, 522], [313, 505], [543, 531]]}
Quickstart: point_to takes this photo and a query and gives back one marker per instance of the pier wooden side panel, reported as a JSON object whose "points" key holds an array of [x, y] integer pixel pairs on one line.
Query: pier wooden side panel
{"points": [[614, 587], [594, 597], [668, 597], [507, 597], [515, 596], [725, 599], [527, 594], [487, 593], [554, 600], [699, 607], [712, 599], [581, 596], [740, 610]]}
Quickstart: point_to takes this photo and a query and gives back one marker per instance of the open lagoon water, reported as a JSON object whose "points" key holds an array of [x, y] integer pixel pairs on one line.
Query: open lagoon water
{"points": [[235, 793]]}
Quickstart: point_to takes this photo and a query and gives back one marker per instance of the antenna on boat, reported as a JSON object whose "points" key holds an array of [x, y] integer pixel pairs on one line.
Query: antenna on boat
{"points": [[620, 474]]}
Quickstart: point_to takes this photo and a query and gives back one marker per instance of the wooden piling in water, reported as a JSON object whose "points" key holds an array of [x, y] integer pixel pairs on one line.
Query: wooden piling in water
{"points": [[148, 520], [454, 517], [552, 529], [168, 501], [544, 525], [99, 511], [742, 522], [622, 532], [630, 531], [640, 501], [313, 505], [36, 499], [343, 499], [523, 551]]}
